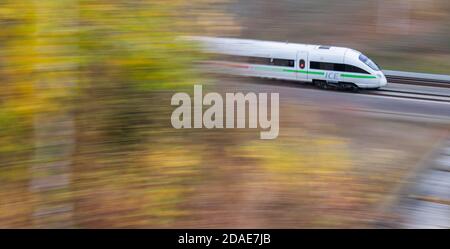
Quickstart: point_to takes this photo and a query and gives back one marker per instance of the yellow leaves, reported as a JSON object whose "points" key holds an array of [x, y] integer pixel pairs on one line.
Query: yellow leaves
{"points": [[173, 161], [37, 61], [146, 191], [98, 60], [321, 155], [164, 201], [171, 167], [7, 12]]}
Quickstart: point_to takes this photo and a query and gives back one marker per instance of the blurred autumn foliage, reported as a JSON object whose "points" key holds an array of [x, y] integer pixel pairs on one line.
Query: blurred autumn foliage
{"points": [[86, 141], [78, 105]]}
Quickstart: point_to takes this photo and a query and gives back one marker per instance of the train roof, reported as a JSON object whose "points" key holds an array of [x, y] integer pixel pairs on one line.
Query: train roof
{"points": [[246, 46]]}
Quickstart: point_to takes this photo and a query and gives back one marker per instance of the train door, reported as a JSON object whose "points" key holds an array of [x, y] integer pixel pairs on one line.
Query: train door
{"points": [[302, 65]]}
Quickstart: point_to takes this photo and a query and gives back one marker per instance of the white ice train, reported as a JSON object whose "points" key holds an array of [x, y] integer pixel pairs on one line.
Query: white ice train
{"points": [[324, 66]]}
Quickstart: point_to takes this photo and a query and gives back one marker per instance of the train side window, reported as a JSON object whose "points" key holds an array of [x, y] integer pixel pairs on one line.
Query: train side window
{"points": [[283, 62], [302, 64], [259, 60], [353, 69], [314, 65], [326, 66], [339, 67]]}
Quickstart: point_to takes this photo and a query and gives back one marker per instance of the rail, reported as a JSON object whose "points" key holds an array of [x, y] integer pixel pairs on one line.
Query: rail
{"points": [[421, 79]]}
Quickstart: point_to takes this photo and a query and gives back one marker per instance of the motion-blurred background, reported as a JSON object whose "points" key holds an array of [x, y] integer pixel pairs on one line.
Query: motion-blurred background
{"points": [[85, 134]]}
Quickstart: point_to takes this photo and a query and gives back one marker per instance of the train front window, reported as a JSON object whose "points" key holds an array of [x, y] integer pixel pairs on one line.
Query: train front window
{"points": [[369, 62]]}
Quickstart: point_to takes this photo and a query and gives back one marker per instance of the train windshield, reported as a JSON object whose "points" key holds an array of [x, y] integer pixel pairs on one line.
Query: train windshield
{"points": [[369, 62]]}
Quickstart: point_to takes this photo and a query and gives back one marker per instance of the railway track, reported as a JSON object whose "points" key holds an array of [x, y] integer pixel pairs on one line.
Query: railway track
{"points": [[428, 87], [410, 94], [424, 201], [421, 199], [420, 79], [431, 87]]}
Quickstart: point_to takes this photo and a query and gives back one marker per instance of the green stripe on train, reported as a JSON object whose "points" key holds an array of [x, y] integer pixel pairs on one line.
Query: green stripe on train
{"points": [[313, 72], [269, 69], [302, 71], [318, 73], [357, 76]]}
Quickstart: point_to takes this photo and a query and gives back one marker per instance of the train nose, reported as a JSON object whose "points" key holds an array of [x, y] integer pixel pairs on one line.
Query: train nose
{"points": [[383, 80]]}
